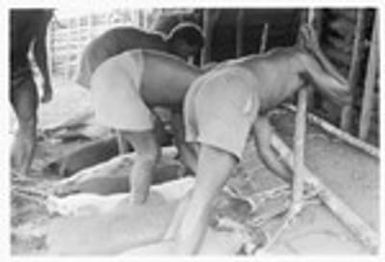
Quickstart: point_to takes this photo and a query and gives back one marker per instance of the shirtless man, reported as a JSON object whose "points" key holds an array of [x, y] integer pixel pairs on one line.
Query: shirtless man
{"points": [[125, 89], [184, 40], [223, 106], [28, 30]]}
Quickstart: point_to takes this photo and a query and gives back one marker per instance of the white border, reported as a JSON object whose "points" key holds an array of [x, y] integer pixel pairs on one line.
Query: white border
{"points": [[4, 107]]}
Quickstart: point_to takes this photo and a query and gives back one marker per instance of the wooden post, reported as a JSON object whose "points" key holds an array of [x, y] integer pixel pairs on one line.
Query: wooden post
{"points": [[299, 144], [355, 68], [299, 139], [298, 160], [265, 32], [370, 82], [314, 101], [206, 52], [239, 33]]}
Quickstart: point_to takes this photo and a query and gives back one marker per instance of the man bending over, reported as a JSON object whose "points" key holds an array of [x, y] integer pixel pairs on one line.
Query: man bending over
{"points": [[224, 105], [124, 91]]}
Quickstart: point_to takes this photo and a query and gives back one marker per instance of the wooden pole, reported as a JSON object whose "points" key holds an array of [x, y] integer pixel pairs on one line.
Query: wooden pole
{"points": [[265, 31], [370, 82], [206, 52], [346, 137], [298, 161], [299, 140], [299, 144], [239, 33], [359, 228], [355, 68]]}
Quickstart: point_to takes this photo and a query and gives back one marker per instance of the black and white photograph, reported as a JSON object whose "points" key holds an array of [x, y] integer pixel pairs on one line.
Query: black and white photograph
{"points": [[199, 130]]}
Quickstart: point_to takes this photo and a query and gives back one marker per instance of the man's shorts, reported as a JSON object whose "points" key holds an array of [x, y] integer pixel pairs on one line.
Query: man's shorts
{"points": [[93, 56], [115, 92], [220, 108]]}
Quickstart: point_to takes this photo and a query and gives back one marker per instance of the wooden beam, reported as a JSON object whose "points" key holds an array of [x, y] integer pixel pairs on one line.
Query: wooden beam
{"points": [[355, 68], [265, 33], [370, 82], [207, 32], [348, 217], [346, 137], [239, 33], [299, 144]]}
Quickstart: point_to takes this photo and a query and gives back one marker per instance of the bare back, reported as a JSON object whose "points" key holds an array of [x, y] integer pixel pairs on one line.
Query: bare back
{"points": [[281, 72], [119, 40], [166, 79], [278, 74]]}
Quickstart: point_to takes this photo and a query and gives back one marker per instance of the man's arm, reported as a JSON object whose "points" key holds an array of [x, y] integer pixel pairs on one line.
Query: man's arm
{"points": [[262, 132], [40, 55], [319, 69], [188, 153]]}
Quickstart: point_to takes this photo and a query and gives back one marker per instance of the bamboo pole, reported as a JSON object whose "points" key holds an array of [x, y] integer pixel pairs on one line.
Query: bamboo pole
{"points": [[359, 228], [370, 82], [206, 52], [298, 167], [299, 144], [263, 44], [355, 68], [346, 137], [239, 33], [299, 141]]}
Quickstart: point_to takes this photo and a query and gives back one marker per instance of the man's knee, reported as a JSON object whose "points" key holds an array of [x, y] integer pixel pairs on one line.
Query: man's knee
{"points": [[27, 125], [144, 144], [25, 103], [150, 157]]}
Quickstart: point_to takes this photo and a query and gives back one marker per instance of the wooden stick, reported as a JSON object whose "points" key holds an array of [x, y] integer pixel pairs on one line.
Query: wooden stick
{"points": [[299, 144], [359, 228], [346, 137], [298, 168], [264, 36], [370, 82], [206, 52], [355, 68], [239, 33]]}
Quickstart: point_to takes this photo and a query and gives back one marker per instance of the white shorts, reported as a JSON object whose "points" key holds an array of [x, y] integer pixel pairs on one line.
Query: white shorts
{"points": [[115, 92], [220, 108]]}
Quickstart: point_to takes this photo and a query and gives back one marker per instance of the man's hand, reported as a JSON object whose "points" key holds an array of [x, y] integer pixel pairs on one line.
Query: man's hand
{"points": [[47, 93]]}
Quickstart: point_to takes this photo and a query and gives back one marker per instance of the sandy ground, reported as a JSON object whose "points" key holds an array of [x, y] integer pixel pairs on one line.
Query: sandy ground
{"points": [[352, 175]]}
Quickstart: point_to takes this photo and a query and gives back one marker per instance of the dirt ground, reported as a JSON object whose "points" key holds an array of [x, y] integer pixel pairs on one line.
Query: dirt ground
{"points": [[351, 174]]}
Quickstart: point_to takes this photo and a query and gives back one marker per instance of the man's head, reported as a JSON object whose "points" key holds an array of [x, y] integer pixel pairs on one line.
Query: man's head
{"points": [[185, 40]]}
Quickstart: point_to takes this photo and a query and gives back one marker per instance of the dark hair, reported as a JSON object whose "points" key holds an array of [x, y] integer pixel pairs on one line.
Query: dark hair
{"points": [[188, 32]]}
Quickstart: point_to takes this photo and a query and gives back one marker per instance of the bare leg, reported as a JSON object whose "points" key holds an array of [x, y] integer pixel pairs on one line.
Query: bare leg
{"points": [[214, 167], [148, 152], [24, 100]]}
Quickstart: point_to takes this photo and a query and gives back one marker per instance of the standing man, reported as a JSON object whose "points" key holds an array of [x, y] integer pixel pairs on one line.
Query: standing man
{"points": [[28, 31]]}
